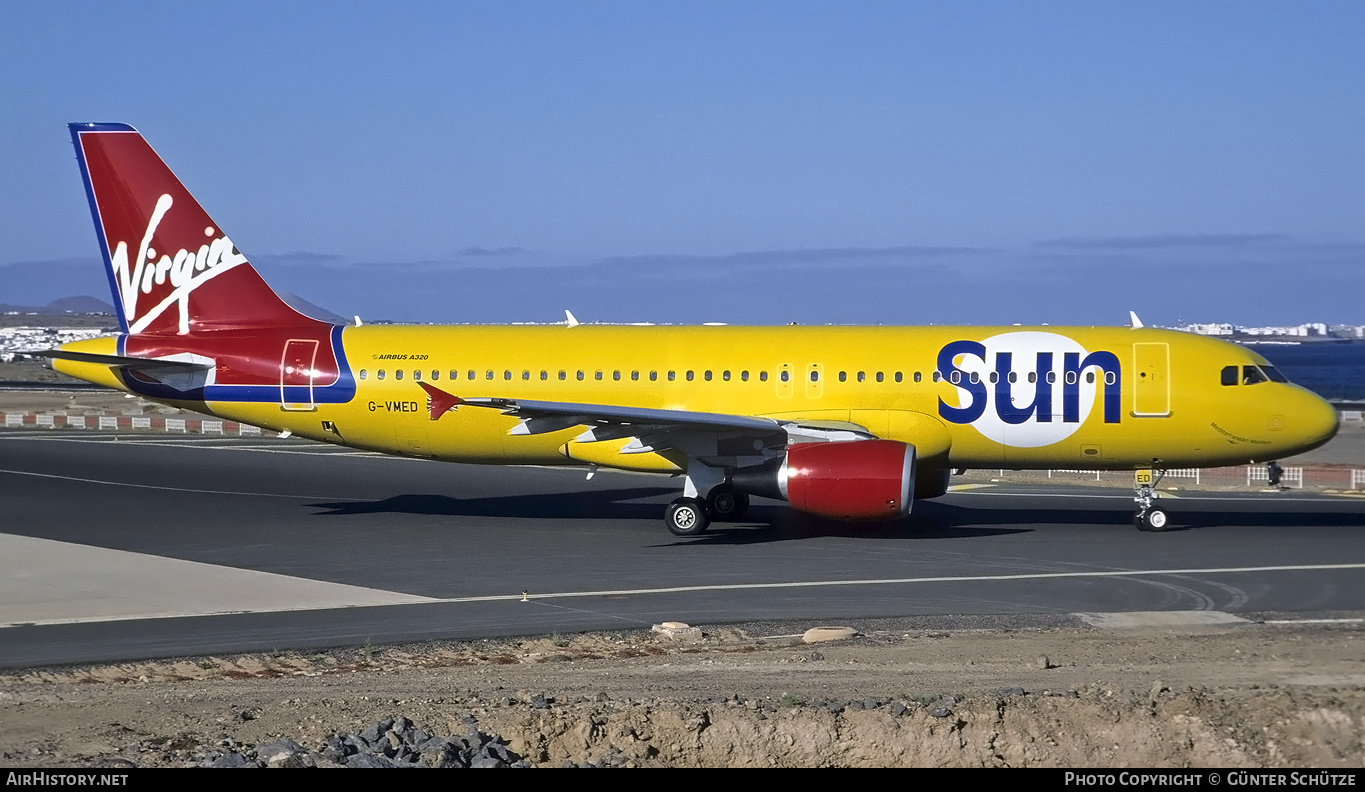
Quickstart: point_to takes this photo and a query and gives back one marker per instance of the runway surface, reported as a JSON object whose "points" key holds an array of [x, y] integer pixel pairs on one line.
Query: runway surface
{"points": [[153, 546]]}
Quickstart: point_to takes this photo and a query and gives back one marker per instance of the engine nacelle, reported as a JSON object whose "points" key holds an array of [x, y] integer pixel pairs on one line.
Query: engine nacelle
{"points": [[852, 480]]}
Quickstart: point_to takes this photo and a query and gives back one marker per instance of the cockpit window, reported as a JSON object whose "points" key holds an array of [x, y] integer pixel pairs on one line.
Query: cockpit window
{"points": [[1274, 374], [1251, 375], [1229, 376]]}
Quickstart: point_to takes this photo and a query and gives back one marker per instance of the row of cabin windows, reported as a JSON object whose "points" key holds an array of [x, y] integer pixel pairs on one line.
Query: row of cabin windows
{"points": [[1071, 378], [784, 376]]}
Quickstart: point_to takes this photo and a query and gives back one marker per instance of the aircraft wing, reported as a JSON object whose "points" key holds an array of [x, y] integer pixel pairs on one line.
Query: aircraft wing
{"points": [[739, 438]]}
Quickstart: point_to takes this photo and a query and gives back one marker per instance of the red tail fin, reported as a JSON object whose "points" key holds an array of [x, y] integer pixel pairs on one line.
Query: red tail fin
{"points": [[171, 268]]}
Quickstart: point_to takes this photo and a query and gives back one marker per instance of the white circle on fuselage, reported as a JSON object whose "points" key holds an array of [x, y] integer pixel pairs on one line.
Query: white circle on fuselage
{"points": [[1024, 347]]}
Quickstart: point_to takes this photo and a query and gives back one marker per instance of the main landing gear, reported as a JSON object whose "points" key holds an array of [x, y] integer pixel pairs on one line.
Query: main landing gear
{"points": [[692, 516], [1150, 516]]}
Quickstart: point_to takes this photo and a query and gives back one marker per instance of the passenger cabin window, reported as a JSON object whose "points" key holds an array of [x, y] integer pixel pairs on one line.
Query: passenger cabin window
{"points": [[784, 376], [563, 374], [634, 376], [364, 374], [398, 374], [579, 375], [653, 375], [597, 375], [454, 374], [725, 375], [815, 376], [861, 376], [672, 375], [762, 376], [706, 375], [616, 375], [689, 376], [544, 375], [743, 376], [379, 374], [879, 376], [525, 375], [435, 375], [416, 376], [937, 376], [843, 376], [488, 374], [473, 375]]}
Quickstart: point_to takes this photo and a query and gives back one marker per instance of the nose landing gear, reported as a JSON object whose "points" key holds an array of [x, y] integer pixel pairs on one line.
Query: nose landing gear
{"points": [[1150, 516]]}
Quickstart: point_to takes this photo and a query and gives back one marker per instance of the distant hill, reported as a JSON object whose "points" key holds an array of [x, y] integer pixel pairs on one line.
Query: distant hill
{"points": [[66, 305]]}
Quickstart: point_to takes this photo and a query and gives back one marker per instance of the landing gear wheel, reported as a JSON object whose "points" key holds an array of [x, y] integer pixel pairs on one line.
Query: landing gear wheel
{"points": [[1155, 520], [686, 517], [725, 504]]}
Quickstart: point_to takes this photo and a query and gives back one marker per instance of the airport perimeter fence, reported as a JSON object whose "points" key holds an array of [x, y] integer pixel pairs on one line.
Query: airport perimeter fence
{"points": [[1322, 476], [150, 423]]}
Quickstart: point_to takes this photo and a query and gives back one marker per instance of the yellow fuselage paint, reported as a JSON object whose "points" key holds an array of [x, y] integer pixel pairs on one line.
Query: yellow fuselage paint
{"points": [[1172, 405]]}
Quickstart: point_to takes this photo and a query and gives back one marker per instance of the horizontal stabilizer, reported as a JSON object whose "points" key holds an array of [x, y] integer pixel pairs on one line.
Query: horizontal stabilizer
{"points": [[121, 361]]}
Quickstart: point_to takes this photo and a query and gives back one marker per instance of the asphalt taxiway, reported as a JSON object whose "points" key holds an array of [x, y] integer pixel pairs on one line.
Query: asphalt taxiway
{"points": [[142, 546]]}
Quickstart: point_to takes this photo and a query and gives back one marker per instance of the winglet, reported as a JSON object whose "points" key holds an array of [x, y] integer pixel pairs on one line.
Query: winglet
{"points": [[569, 318], [438, 401], [1132, 315]]}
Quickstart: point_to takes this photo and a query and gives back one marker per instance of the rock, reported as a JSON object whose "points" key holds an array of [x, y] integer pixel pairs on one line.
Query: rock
{"points": [[819, 634], [250, 714], [815, 657], [337, 748], [677, 631], [1043, 662], [232, 759], [1010, 691], [369, 761], [898, 709], [941, 712], [284, 753]]}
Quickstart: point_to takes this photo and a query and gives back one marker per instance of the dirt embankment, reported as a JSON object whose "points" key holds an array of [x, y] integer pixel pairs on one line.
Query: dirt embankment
{"points": [[1243, 696]]}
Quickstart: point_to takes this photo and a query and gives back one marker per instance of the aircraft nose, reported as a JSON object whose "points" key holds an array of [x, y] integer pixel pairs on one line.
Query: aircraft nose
{"points": [[1310, 420]]}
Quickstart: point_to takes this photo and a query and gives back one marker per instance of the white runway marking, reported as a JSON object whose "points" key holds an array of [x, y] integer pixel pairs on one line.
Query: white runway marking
{"points": [[167, 489], [903, 581], [48, 582]]}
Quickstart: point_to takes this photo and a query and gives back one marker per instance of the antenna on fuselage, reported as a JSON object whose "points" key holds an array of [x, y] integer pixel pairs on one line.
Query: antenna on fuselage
{"points": [[569, 319], [1132, 316]]}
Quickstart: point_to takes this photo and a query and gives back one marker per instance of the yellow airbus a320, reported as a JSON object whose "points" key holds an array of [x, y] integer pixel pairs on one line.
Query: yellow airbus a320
{"points": [[844, 422]]}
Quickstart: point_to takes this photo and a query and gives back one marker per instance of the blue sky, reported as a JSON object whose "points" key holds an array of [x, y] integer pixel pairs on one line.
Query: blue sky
{"points": [[743, 162]]}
